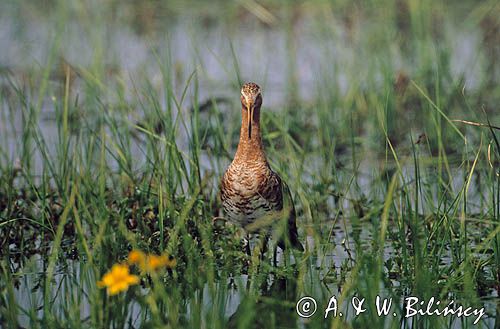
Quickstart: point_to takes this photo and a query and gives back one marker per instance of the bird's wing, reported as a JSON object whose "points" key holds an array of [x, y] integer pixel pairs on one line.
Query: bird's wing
{"points": [[289, 209]]}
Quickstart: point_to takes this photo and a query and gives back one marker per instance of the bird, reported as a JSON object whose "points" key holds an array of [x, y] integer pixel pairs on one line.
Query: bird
{"points": [[253, 195]]}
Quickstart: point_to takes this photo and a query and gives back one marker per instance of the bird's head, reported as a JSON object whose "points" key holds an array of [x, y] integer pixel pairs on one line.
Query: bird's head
{"points": [[251, 99]]}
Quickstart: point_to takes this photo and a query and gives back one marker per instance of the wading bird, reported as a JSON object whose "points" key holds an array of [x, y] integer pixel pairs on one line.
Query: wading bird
{"points": [[253, 195]]}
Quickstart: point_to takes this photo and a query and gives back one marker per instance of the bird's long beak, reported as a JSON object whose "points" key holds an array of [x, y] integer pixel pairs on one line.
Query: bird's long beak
{"points": [[250, 108]]}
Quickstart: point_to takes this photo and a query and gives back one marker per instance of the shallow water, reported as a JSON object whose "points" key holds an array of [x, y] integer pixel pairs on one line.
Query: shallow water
{"points": [[29, 292], [320, 52]]}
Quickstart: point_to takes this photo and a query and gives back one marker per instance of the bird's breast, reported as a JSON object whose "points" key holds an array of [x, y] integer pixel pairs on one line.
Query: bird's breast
{"points": [[242, 195], [245, 179]]}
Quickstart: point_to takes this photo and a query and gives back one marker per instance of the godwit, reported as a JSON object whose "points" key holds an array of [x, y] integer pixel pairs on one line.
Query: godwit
{"points": [[253, 195]]}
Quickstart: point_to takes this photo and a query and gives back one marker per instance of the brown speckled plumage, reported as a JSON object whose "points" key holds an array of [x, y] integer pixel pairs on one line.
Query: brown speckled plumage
{"points": [[253, 195]]}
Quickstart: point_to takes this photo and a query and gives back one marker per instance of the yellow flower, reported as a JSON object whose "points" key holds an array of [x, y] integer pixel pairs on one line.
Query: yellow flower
{"points": [[150, 263], [137, 257], [155, 262], [118, 279]]}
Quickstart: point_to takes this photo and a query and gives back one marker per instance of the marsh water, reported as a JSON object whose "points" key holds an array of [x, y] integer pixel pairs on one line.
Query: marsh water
{"points": [[307, 54]]}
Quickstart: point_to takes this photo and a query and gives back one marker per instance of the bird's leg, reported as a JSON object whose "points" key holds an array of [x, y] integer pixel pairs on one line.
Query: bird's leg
{"points": [[247, 245], [275, 256], [264, 247]]}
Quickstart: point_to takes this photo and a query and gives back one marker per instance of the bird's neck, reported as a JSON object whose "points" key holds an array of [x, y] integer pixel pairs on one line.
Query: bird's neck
{"points": [[250, 148]]}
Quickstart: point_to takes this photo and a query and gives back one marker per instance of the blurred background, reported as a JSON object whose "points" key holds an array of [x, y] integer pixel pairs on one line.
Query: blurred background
{"points": [[117, 119], [348, 56]]}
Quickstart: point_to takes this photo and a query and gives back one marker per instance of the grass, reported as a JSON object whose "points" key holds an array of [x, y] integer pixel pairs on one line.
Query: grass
{"points": [[396, 197]]}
